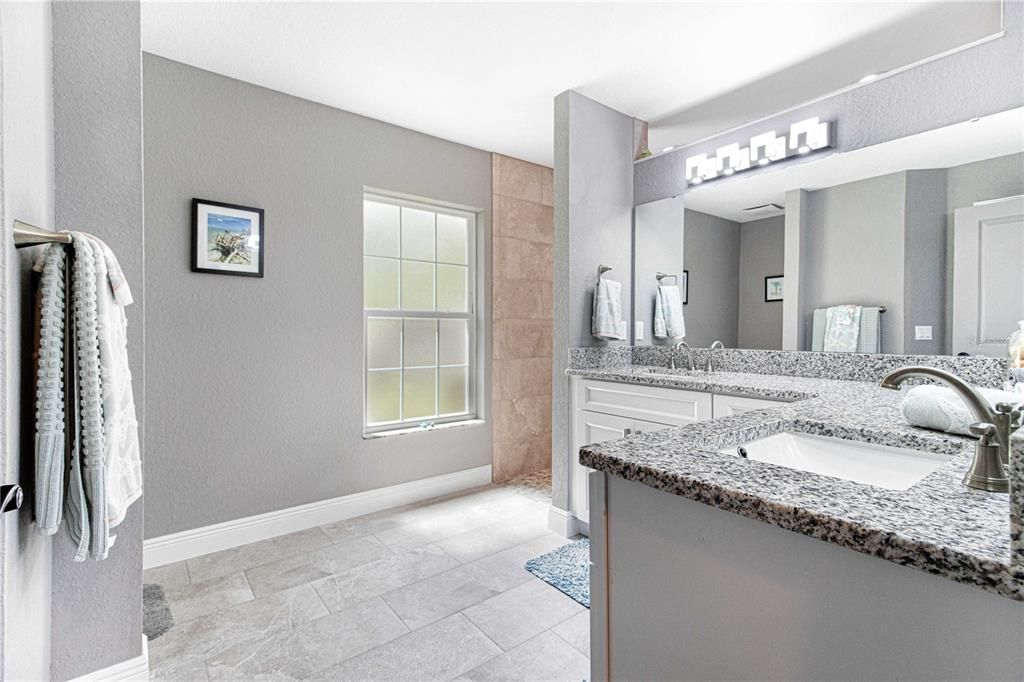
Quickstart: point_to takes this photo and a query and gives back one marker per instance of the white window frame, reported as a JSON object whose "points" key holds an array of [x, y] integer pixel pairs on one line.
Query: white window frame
{"points": [[471, 316]]}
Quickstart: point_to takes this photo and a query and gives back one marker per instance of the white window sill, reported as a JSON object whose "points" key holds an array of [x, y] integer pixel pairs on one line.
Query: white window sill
{"points": [[406, 430]]}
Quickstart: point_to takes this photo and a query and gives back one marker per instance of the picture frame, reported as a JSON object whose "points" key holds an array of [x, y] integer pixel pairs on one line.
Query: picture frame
{"points": [[684, 287], [774, 288], [227, 239]]}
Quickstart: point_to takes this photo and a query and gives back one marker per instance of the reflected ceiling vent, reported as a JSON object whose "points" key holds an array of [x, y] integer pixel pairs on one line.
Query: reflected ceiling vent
{"points": [[763, 211]]}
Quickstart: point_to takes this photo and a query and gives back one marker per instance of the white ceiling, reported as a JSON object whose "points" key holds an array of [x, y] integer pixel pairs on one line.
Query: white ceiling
{"points": [[984, 138], [485, 74]]}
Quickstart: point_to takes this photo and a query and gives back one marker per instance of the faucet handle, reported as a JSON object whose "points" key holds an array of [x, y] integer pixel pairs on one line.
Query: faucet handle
{"points": [[1012, 409], [983, 430]]}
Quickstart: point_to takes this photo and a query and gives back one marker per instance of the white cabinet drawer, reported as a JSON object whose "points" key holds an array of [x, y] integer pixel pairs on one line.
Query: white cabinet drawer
{"points": [[724, 405], [650, 403]]}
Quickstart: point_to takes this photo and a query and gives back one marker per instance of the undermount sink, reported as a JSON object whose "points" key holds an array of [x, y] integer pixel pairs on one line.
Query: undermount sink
{"points": [[877, 465]]}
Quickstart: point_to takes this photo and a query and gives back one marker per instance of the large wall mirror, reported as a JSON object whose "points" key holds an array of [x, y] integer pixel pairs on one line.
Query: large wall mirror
{"points": [[913, 246]]}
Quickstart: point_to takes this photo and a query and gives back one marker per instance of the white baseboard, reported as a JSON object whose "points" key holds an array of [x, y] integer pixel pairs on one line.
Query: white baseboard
{"points": [[133, 670], [167, 549], [565, 523]]}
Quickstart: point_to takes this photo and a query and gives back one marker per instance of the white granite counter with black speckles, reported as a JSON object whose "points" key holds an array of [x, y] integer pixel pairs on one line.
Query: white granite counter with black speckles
{"points": [[938, 525]]}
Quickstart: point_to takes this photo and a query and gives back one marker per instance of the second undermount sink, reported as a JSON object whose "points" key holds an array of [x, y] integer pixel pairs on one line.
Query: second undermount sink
{"points": [[877, 465]]}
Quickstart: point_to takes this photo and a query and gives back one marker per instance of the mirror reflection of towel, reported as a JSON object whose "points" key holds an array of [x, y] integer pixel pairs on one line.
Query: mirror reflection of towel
{"points": [[668, 313], [842, 328], [607, 321]]}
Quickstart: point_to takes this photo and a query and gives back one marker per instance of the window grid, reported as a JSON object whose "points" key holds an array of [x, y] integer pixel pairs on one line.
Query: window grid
{"points": [[402, 315]]}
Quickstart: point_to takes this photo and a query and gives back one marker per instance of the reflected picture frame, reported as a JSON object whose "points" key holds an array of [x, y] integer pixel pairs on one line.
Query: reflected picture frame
{"points": [[227, 239], [774, 288]]}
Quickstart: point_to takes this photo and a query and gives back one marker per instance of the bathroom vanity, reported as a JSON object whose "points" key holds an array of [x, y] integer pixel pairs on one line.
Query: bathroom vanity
{"points": [[710, 565]]}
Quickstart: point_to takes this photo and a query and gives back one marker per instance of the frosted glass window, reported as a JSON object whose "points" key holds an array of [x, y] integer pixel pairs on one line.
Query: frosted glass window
{"points": [[453, 342], [451, 392], [417, 285], [417, 234], [419, 315], [452, 239], [384, 390], [451, 288], [380, 283], [420, 343], [419, 393], [383, 343], [380, 229]]}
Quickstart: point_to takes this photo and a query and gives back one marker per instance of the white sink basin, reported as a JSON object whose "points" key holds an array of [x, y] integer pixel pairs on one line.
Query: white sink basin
{"points": [[877, 465]]}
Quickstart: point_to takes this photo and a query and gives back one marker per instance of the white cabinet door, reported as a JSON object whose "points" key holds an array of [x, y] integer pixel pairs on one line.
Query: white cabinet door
{"points": [[724, 405], [591, 427]]}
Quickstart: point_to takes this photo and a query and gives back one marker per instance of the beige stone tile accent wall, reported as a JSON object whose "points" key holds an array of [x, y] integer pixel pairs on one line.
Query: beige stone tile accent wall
{"points": [[521, 308]]}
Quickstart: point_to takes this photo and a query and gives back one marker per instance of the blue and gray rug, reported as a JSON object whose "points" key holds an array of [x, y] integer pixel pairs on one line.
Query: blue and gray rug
{"points": [[567, 569]]}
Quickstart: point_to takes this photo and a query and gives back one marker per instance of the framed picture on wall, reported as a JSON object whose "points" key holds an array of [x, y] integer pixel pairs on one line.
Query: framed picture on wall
{"points": [[773, 288], [684, 287], [227, 239]]}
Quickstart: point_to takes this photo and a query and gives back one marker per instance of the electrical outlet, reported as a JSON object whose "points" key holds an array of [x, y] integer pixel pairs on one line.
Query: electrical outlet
{"points": [[639, 331], [923, 332]]}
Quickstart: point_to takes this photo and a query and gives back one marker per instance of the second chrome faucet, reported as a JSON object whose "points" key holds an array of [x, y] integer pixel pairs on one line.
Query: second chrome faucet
{"points": [[708, 367]]}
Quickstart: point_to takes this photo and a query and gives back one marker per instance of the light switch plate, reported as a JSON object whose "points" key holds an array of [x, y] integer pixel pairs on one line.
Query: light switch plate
{"points": [[639, 333], [923, 332]]}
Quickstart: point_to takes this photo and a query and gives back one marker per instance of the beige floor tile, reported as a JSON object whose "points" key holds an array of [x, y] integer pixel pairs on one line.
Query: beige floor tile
{"points": [[521, 613], [545, 657], [315, 565], [256, 554], [355, 585], [452, 591], [440, 651], [312, 647], [199, 599], [187, 670], [532, 549]]}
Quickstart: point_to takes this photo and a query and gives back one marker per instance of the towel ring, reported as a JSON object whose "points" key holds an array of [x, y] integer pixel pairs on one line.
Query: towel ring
{"points": [[601, 269], [662, 275]]}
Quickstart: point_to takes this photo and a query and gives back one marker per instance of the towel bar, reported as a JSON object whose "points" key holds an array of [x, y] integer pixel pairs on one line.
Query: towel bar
{"points": [[30, 235], [662, 275]]}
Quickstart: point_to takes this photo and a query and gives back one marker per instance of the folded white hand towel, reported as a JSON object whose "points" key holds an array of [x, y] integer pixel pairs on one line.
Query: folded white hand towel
{"points": [[937, 407], [607, 322], [668, 313]]}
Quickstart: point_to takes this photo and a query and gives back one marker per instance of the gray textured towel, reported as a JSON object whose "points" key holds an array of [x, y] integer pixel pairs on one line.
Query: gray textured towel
{"points": [[49, 440]]}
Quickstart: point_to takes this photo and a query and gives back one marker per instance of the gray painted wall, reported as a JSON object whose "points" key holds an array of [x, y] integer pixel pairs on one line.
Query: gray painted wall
{"points": [[97, 605], [593, 225], [762, 254], [854, 250], [711, 254], [291, 391], [657, 247], [931, 95], [26, 170], [924, 276]]}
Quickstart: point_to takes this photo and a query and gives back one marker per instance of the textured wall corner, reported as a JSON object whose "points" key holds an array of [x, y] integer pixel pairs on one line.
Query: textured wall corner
{"points": [[521, 272]]}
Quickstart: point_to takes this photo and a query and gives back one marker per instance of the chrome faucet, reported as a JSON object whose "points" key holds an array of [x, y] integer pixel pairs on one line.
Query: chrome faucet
{"points": [[689, 355], [993, 427], [711, 354]]}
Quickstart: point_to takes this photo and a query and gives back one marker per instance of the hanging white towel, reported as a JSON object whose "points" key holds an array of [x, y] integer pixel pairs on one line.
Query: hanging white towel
{"points": [[607, 322], [668, 313], [842, 328]]}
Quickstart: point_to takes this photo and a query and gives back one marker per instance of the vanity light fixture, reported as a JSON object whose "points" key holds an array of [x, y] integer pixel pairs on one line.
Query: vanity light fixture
{"points": [[802, 138]]}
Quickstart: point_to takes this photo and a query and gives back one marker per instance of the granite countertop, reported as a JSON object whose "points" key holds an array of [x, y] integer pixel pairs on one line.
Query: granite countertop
{"points": [[938, 525]]}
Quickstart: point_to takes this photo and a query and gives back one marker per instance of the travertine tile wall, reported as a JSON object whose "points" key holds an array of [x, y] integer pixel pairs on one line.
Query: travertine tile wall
{"points": [[522, 309]]}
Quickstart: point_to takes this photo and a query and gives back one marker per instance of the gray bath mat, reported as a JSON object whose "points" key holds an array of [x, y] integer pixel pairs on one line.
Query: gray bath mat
{"points": [[567, 569], [156, 614]]}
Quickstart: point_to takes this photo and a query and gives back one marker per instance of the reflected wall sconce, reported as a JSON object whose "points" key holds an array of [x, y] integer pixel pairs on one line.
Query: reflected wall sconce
{"points": [[803, 137]]}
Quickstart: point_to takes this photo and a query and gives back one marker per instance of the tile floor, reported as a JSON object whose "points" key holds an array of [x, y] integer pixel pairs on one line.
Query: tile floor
{"points": [[430, 591]]}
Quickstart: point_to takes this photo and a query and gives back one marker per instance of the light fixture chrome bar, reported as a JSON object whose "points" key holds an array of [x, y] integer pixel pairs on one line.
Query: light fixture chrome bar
{"points": [[30, 235]]}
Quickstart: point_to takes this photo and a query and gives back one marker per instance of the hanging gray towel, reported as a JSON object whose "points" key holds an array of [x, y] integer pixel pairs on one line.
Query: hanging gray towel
{"points": [[49, 441], [870, 338]]}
